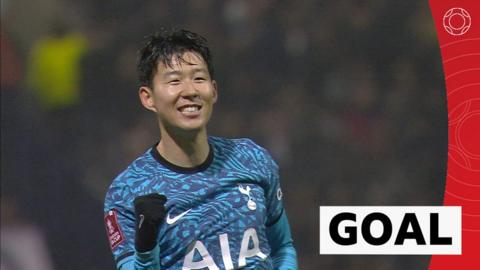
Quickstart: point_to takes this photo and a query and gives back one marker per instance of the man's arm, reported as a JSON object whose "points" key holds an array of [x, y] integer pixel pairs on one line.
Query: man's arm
{"points": [[280, 239], [149, 214], [133, 235]]}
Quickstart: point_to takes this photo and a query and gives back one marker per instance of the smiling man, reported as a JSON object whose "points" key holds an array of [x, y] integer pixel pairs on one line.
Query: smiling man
{"points": [[194, 201]]}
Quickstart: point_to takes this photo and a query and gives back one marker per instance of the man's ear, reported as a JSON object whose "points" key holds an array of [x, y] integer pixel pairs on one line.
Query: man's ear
{"points": [[146, 97], [215, 91]]}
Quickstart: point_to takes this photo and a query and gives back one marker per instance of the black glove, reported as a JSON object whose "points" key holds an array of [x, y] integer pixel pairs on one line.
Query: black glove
{"points": [[149, 214]]}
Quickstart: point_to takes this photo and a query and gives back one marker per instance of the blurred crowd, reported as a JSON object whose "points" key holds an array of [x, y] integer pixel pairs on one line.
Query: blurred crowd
{"points": [[348, 96]]}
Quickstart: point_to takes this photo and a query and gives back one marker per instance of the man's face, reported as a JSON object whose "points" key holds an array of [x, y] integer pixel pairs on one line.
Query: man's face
{"points": [[183, 95]]}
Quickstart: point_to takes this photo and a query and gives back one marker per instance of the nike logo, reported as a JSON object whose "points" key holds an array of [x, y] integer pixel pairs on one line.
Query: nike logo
{"points": [[170, 221], [142, 218]]}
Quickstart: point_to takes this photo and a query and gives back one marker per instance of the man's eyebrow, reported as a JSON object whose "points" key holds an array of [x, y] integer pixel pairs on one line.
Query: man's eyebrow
{"points": [[200, 69], [179, 73], [171, 73]]}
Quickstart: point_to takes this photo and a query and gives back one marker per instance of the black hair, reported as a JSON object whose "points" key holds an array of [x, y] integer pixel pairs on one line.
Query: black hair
{"points": [[165, 45]]}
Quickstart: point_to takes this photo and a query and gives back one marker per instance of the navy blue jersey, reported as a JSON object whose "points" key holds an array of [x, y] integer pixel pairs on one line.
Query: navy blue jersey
{"points": [[217, 212]]}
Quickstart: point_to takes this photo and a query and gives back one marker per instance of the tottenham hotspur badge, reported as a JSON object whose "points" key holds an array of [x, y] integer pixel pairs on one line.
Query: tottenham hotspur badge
{"points": [[250, 204]]}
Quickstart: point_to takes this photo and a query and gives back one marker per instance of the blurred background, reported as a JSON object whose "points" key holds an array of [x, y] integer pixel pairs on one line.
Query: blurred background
{"points": [[348, 96]]}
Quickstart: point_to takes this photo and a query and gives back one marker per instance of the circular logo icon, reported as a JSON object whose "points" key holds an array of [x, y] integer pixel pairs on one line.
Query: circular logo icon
{"points": [[457, 21]]}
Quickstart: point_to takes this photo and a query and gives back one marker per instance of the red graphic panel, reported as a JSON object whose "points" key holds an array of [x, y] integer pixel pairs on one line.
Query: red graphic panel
{"points": [[114, 233], [458, 31]]}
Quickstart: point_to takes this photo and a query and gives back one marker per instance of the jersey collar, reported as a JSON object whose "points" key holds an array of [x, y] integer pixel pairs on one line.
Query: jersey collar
{"points": [[179, 169]]}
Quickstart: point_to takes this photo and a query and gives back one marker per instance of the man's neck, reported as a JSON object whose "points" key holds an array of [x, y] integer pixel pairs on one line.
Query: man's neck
{"points": [[184, 151]]}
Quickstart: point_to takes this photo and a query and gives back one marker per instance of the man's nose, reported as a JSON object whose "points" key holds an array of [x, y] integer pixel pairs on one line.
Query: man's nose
{"points": [[189, 90]]}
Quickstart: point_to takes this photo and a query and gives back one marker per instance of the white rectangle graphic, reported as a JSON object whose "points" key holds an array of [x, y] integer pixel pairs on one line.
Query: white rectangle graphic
{"points": [[391, 230]]}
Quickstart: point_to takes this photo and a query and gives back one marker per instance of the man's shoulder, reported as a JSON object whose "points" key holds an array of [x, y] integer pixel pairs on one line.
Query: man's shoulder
{"points": [[142, 167], [242, 147], [235, 143], [136, 175]]}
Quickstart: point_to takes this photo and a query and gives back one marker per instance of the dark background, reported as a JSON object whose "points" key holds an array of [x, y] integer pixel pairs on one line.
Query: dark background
{"points": [[348, 96]]}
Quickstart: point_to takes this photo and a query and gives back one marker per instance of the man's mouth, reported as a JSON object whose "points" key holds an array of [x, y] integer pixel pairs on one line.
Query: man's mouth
{"points": [[190, 109]]}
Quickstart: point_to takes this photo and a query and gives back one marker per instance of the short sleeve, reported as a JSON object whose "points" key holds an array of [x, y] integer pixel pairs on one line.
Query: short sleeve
{"points": [[119, 222], [273, 193]]}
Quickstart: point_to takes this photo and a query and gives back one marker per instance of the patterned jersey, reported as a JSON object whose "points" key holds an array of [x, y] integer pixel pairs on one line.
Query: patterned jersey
{"points": [[217, 212]]}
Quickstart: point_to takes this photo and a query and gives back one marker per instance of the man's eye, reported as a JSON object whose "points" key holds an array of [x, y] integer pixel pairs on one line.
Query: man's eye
{"points": [[199, 79], [174, 81]]}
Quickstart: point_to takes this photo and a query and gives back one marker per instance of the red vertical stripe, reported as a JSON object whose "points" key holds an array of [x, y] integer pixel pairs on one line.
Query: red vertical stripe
{"points": [[458, 30]]}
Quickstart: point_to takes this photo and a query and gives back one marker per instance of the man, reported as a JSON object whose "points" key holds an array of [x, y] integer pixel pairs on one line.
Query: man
{"points": [[194, 201]]}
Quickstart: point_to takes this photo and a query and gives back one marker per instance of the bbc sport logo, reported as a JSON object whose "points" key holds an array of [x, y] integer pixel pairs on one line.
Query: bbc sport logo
{"points": [[457, 21], [401, 230]]}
